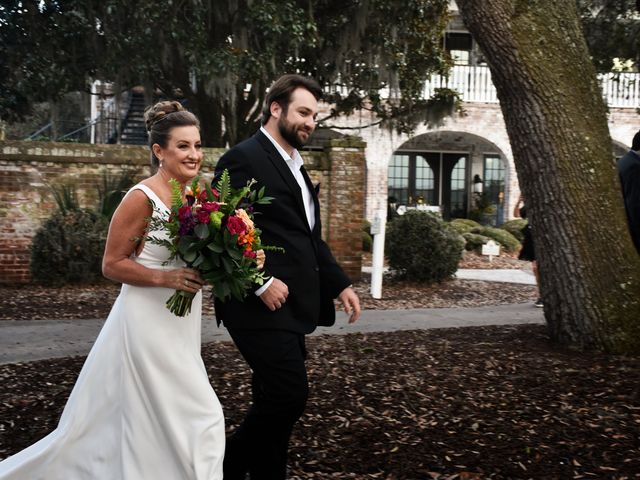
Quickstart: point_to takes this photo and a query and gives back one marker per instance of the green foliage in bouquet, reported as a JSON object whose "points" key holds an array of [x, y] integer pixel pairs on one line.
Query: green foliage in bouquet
{"points": [[213, 232]]}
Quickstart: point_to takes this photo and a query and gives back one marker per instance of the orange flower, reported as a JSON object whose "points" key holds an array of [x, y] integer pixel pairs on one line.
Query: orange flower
{"points": [[240, 213], [247, 240]]}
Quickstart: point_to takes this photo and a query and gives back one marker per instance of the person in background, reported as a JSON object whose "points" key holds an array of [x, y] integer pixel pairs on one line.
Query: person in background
{"points": [[528, 251], [629, 171]]}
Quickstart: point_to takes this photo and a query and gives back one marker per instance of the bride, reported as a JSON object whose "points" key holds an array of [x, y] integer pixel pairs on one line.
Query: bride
{"points": [[142, 407]]}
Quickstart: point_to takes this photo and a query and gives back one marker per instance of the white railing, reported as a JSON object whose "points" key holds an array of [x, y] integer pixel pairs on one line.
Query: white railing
{"points": [[621, 89], [474, 85]]}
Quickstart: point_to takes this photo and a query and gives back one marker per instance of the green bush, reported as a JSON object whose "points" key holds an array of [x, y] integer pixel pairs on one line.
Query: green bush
{"points": [[514, 227], [112, 190], [367, 240], [474, 241], [463, 225], [466, 221], [420, 247], [504, 238], [66, 197], [68, 248]]}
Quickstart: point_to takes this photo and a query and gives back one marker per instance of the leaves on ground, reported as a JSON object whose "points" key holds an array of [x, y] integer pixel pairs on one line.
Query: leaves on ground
{"points": [[467, 403]]}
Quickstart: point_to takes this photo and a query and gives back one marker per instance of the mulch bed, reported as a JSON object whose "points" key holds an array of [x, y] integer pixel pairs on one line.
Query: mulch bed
{"points": [[468, 403]]}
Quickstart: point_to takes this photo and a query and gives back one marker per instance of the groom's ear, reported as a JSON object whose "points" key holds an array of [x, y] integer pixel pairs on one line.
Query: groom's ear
{"points": [[276, 109]]}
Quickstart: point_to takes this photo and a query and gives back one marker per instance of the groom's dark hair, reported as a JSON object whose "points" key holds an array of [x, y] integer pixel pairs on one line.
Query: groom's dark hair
{"points": [[280, 92]]}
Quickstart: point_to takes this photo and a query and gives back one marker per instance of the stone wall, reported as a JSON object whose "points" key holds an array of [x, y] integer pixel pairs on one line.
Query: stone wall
{"points": [[28, 169]]}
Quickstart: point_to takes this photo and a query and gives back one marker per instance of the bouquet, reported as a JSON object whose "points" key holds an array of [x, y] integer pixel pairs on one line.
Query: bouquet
{"points": [[214, 233]]}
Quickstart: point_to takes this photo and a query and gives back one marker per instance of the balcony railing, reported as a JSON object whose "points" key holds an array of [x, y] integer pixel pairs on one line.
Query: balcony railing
{"points": [[475, 85]]}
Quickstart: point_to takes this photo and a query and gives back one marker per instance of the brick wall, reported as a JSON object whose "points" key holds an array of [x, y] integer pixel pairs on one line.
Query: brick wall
{"points": [[345, 198], [27, 169]]}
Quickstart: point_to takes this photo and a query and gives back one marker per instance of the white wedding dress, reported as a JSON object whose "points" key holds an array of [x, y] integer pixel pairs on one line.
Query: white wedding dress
{"points": [[142, 407]]}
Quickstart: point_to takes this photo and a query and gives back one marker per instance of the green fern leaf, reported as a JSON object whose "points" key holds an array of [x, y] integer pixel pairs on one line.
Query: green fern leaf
{"points": [[224, 185], [176, 194]]}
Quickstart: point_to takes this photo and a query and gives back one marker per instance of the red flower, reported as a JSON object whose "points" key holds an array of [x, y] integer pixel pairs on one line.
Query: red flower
{"points": [[210, 206], [203, 216], [249, 253], [235, 225], [184, 212]]}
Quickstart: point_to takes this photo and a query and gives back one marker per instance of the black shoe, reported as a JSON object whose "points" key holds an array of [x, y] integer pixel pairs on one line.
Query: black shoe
{"points": [[538, 303]]}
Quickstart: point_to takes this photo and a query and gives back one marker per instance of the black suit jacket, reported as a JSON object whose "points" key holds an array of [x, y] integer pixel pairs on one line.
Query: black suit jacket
{"points": [[629, 170], [307, 267]]}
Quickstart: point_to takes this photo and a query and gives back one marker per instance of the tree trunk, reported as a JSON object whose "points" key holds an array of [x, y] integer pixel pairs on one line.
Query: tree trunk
{"points": [[55, 119], [556, 121], [210, 115]]}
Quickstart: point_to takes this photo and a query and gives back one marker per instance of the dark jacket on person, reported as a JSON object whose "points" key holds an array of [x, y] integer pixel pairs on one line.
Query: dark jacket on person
{"points": [[307, 267], [629, 170]]}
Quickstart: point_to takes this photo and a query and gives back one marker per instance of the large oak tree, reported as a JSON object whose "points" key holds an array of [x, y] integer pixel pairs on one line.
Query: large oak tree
{"points": [[557, 126]]}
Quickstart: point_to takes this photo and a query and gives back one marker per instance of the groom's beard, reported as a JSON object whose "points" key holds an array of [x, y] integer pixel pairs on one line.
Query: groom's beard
{"points": [[292, 134]]}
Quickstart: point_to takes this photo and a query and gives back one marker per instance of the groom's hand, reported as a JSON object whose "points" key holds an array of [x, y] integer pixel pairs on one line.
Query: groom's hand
{"points": [[275, 296], [351, 303]]}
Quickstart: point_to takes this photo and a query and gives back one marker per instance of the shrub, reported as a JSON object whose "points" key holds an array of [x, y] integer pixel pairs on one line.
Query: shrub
{"points": [[474, 241], [504, 238], [68, 248], [514, 227], [112, 190], [420, 247], [66, 197], [367, 240], [463, 225], [466, 221]]}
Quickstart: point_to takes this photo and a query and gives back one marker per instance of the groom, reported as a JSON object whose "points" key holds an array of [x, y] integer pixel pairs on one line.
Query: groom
{"points": [[269, 327]]}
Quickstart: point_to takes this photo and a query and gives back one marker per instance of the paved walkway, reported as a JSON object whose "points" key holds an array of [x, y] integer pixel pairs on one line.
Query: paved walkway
{"points": [[23, 341], [505, 275]]}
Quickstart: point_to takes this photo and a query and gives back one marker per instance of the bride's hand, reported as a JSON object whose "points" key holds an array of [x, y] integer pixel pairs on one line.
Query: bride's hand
{"points": [[260, 259], [185, 279]]}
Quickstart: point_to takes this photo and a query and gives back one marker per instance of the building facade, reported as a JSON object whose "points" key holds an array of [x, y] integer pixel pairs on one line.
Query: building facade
{"points": [[466, 162]]}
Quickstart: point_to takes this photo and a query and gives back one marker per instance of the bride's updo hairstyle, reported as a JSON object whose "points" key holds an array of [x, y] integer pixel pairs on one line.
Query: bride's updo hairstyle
{"points": [[161, 118]]}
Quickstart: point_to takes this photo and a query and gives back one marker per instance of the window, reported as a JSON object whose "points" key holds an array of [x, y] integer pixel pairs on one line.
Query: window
{"points": [[399, 178], [494, 173], [459, 189], [425, 181], [432, 178], [459, 46]]}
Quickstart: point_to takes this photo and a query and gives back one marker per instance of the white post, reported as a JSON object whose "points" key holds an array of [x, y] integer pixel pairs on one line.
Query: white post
{"points": [[377, 264], [94, 109]]}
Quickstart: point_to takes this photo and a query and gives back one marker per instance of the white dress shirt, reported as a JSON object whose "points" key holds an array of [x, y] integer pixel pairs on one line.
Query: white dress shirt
{"points": [[294, 163]]}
